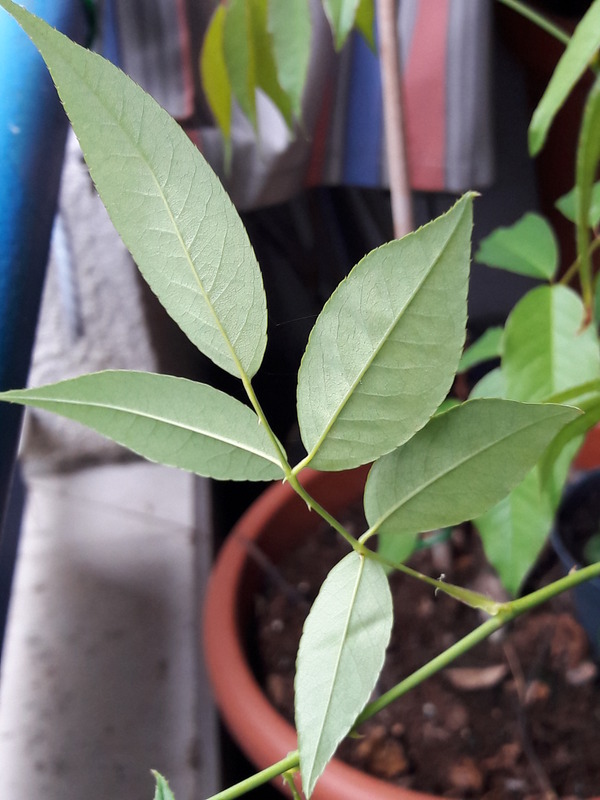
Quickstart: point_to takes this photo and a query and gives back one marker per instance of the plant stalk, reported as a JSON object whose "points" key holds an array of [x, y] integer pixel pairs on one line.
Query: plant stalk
{"points": [[391, 84], [251, 394], [508, 612], [539, 19], [290, 762], [588, 152], [322, 512]]}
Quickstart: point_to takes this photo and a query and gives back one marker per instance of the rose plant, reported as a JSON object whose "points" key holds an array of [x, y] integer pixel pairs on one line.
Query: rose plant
{"points": [[379, 364]]}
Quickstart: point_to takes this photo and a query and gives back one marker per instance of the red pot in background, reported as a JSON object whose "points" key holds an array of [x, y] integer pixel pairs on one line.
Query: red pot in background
{"points": [[589, 455]]}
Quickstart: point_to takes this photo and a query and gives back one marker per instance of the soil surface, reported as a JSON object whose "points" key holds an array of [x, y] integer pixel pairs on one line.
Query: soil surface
{"points": [[517, 717]]}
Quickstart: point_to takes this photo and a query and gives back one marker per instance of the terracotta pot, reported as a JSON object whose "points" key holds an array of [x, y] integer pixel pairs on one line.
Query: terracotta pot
{"points": [[274, 522]]}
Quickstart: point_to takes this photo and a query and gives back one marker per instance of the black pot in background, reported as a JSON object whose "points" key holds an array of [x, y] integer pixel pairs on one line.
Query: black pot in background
{"points": [[578, 518]]}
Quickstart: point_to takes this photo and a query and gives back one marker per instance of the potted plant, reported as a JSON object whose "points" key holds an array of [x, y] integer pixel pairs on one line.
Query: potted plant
{"points": [[549, 347], [378, 365]]}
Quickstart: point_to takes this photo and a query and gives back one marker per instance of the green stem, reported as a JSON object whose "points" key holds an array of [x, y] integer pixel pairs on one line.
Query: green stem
{"points": [[322, 512], [539, 19], [433, 666], [285, 465], [507, 613], [573, 270], [466, 596], [290, 762], [289, 779], [588, 154]]}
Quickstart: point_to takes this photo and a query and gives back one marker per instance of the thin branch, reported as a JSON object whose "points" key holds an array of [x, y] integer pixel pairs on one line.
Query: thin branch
{"points": [[539, 19], [389, 54]]}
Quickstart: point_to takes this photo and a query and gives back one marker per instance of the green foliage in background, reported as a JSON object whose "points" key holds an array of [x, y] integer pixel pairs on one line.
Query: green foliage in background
{"points": [[378, 364], [253, 45]]}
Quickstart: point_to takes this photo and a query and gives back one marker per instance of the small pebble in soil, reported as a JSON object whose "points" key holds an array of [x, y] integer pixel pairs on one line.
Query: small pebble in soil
{"points": [[389, 760], [474, 678], [457, 718], [583, 673], [536, 692], [465, 776], [515, 785], [505, 759], [434, 733]]}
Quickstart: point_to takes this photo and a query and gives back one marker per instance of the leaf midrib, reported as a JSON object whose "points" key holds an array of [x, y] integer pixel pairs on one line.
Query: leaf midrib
{"points": [[349, 394], [136, 147], [145, 415], [440, 475], [344, 638]]}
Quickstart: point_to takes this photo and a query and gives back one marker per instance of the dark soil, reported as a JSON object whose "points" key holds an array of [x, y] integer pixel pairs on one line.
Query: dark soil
{"points": [[517, 717]]}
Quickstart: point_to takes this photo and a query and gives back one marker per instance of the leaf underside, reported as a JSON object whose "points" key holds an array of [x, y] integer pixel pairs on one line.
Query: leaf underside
{"points": [[462, 463], [340, 657], [384, 351], [165, 201], [171, 420]]}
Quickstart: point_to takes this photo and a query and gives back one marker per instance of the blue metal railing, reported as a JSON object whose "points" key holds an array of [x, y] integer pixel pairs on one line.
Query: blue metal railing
{"points": [[33, 128]]}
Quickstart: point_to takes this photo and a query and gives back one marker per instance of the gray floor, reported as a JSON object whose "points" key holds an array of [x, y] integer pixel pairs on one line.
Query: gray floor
{"points": [[101, 679]]}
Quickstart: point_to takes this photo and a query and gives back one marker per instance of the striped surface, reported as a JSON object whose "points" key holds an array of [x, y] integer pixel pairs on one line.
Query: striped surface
{"points": [[445, 56]]}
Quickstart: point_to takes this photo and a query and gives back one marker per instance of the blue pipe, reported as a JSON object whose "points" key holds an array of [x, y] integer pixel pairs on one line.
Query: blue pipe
{"points": [[33, 129]]}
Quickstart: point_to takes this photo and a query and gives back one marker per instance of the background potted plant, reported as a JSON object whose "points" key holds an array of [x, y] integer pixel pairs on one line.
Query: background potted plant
{"points": [[549, 348], [379, 363]]}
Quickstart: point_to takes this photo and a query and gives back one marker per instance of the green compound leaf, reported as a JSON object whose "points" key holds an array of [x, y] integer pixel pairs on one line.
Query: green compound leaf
{"points": [[249, 56], [514, 531], [588, 157], [493, 384], [340, 657], [570, 439], [567, 205], [341, 15], [365, 21], [170, 420], [240, 56], [290, 26], [528, 247], [168, 206], [546, 350], [163, 791], [578, 54], [486, 348], [213, 73], [459, 465], [384, 351], [266, 69]]}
